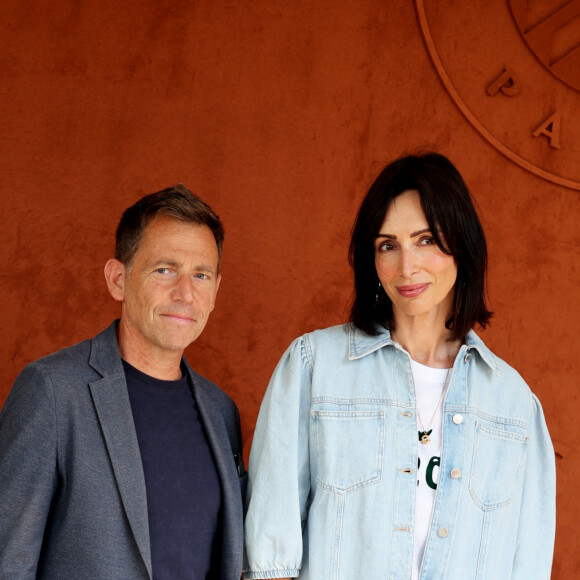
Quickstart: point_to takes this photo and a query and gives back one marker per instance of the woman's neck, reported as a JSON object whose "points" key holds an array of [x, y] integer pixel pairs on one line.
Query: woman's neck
{"points": [[429, 345]]}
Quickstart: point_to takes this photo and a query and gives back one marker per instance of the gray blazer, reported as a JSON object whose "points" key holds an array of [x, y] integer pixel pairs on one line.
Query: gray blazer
{"points": [[72, 491]]}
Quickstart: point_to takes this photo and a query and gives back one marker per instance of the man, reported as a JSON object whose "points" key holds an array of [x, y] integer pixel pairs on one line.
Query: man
{"points": [[117, 460]]}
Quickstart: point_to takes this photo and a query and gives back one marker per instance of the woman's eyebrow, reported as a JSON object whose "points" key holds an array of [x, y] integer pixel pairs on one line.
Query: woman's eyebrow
{"points": [[414, 234], [419, 232]]}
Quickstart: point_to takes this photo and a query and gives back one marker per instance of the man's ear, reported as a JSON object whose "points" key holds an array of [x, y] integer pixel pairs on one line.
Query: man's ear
{"points": [[115, 273]]}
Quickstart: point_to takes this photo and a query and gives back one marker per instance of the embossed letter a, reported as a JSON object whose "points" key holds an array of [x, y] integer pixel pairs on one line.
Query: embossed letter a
{"points": [[551, 129]]}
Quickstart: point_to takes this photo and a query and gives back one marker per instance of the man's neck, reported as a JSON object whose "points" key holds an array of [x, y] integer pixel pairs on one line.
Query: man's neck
{"points": [[157, 363], [165, 373]]}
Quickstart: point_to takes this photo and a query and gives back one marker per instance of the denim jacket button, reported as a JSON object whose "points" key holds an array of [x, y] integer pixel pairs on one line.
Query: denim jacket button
{"points": [[467, 357], [442, 532], [456, 473], [458, 419]]}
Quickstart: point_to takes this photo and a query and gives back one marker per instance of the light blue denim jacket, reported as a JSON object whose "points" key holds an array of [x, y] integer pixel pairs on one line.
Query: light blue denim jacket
{"points": [[332, 483]]}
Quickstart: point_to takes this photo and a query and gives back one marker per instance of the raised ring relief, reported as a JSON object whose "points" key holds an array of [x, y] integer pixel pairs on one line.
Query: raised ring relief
{"points": [[513, 69]]}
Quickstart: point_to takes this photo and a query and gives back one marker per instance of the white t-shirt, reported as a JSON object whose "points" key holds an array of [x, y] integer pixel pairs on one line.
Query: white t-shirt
{"points": [[430, 384]]}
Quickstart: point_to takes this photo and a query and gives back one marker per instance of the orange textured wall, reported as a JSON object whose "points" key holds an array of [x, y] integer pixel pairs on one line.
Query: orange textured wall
{"points": [[280, 114]]}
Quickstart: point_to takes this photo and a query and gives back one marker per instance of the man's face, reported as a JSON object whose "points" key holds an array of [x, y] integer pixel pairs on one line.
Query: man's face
{"points": [[168, 290]]}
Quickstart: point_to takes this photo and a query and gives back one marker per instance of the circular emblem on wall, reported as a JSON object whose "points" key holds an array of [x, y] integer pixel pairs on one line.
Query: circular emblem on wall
{"points": [[513, 69], [553, 34]]}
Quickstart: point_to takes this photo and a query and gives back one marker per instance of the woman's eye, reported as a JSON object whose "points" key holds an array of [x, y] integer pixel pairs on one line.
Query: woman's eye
{"points": [[427, 241], [385, 247]]}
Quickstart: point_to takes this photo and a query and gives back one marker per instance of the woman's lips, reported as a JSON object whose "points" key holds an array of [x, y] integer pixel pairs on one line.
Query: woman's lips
{"points": [[412, 290]]}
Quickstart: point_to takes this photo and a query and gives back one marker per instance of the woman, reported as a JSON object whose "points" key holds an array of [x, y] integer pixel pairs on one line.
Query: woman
{"points": [[398, 446]]}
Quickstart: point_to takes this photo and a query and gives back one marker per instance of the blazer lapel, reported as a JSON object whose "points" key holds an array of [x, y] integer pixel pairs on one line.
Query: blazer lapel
{"points": [[216, 431], [219, 442], [113, 408]]}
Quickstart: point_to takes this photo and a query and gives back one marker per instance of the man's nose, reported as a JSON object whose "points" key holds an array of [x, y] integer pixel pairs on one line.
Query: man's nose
{"points": [[183, 290]]}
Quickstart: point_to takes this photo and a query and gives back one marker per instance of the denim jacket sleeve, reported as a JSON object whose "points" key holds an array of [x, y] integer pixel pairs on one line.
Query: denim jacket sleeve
{"points": [[537, 526], [279, 471]]}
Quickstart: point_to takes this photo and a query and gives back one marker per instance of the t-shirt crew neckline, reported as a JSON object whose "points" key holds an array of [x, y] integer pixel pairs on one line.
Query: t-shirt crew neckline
{"points": [[429, 374], [177, 385]]}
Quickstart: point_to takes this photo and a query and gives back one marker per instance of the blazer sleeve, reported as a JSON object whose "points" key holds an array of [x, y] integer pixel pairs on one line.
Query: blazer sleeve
{"points": [[537, 526], [28, 472], [279, 471]]}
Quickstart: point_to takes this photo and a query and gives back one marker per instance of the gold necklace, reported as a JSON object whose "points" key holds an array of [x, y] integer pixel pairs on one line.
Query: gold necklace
{"points": [[424, 434]]}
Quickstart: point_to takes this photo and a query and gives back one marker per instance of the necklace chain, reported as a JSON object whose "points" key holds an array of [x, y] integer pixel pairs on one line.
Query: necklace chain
{"points": [[424, 434]]}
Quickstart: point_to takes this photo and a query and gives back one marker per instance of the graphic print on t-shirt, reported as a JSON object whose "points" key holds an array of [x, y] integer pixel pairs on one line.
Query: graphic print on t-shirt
{"points": [[431, 474]]}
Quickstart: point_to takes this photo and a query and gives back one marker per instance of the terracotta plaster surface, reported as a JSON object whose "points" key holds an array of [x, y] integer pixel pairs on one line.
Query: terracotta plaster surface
{"points": [[279, 115]]}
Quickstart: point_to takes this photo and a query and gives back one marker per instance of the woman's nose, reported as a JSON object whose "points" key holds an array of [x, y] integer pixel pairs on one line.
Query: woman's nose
{"points": [[409, 264]]}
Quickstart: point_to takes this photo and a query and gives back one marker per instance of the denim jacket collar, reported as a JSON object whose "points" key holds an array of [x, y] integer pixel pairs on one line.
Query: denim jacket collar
{"points": [[361, 344]]}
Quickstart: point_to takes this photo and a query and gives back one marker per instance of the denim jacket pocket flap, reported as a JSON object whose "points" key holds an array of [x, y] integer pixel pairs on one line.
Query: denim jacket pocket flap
{"points": [[349, 448], [498, 457]]}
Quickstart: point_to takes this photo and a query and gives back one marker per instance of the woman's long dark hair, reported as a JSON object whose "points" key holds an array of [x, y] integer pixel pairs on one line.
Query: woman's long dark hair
{"points": [[451, 216]]}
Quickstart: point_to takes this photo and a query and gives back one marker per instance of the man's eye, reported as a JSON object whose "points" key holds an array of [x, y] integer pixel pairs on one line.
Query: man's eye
{"points": [[162, 270], [201, 276]]}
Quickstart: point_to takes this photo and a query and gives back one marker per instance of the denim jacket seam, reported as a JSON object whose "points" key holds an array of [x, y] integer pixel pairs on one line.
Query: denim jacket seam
{"points": [[487, 417], [307, 352], [391, 402]]}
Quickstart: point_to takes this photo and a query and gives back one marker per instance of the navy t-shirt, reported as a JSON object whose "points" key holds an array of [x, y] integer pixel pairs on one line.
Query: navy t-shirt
{"points": [[183, 488]]}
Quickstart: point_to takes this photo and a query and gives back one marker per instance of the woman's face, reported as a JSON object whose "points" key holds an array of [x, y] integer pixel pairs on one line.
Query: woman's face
{"points": [[416, 275]]}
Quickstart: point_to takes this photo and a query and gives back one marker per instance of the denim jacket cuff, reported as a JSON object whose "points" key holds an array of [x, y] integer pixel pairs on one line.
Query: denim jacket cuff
{"points": [[248, 575]]}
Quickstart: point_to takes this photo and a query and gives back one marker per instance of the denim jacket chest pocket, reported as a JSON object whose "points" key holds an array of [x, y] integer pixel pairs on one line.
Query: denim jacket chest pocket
{"points": [[497, 464], [348, 448]]}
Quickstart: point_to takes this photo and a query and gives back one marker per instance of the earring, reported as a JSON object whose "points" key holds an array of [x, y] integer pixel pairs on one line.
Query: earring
{"points": [[378, 294]]}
